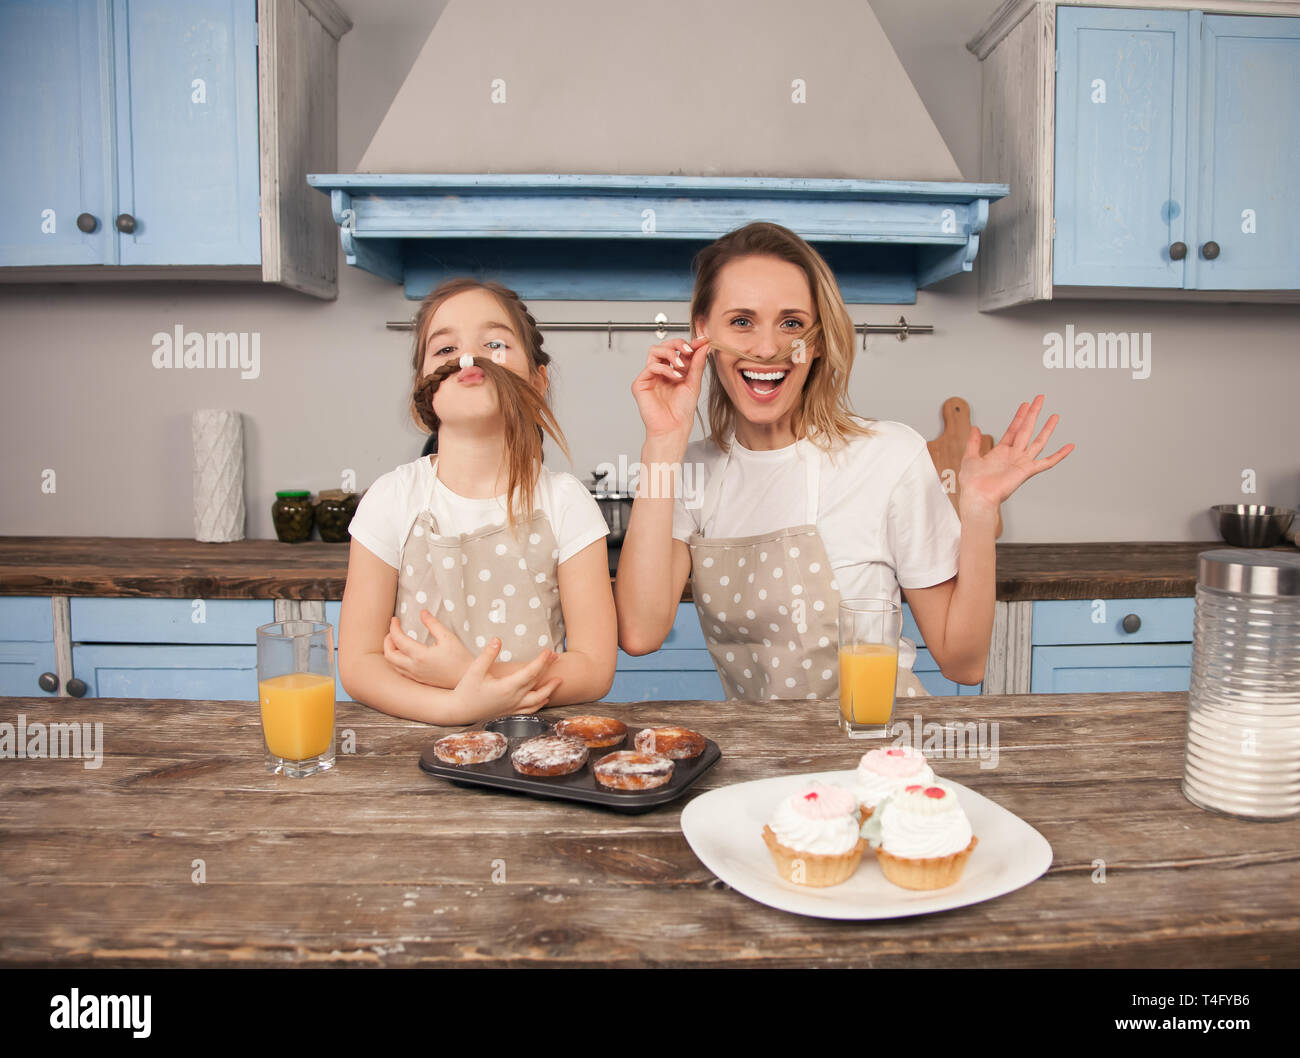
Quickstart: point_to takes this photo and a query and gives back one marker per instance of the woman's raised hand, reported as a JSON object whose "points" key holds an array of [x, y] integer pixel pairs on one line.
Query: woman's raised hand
{"points": [[667, 391], [989, 479]]}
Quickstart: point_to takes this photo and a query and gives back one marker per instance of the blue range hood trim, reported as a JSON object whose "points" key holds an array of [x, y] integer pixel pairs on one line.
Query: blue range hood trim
{"points": [[631, 238]]}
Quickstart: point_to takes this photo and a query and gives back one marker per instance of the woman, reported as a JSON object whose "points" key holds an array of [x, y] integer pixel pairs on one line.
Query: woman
{"points": [[793, 502]]}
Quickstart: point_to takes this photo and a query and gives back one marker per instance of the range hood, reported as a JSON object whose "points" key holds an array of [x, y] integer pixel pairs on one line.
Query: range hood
{"points": [[598, 176]]}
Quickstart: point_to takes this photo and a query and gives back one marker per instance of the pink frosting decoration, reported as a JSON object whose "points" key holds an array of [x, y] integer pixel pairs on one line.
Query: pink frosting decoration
{"points": [[895, 763], [817, 801]]}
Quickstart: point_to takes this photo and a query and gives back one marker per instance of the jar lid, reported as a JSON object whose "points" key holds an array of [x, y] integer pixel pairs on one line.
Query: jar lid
{"points": [[293, 494], [1249, 572]]}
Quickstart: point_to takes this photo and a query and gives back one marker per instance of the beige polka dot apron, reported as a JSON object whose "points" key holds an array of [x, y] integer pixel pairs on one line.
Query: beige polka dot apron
{"points": [[482, 584], [769, 604]]}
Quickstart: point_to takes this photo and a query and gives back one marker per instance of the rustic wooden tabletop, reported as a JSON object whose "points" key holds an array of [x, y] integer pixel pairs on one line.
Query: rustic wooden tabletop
{"points": [[180, 850]]}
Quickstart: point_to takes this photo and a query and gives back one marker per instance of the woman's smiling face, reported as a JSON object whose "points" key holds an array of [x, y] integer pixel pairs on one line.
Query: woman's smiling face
{"points": [[473, 322], [762, 305]]}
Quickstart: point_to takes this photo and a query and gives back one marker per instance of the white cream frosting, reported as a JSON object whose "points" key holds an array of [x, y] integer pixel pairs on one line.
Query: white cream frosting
{"points": [[823, 832], [915, 825], [876, 779]]}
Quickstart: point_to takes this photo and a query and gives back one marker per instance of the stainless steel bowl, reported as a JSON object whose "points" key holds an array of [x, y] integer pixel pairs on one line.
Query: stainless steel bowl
{"points": [[1252, 524]]}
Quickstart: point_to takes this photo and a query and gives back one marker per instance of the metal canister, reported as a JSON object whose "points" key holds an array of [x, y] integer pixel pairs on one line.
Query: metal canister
{"points": [[1243, 710]]}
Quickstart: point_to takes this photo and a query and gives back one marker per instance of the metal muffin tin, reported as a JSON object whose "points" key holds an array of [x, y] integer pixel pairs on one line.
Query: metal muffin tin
{"points": [[581, 785]]}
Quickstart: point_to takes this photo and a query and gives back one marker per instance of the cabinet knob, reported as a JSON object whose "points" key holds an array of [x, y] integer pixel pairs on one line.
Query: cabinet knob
{"points": [[125, 223], [76, 688], [87, 222], [1210, 250], [47, 681], [1177, 251], [1131, 623]]}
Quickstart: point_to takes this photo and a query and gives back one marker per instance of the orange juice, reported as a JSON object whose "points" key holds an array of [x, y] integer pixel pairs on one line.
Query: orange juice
{"points": [[868, 673], [298, 714]]}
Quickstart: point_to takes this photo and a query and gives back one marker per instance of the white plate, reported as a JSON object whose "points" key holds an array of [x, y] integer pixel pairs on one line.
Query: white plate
{"points": [[725, 830]]}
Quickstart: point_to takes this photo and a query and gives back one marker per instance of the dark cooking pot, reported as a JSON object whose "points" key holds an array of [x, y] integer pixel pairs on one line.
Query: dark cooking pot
{"points": [[614, 505]]}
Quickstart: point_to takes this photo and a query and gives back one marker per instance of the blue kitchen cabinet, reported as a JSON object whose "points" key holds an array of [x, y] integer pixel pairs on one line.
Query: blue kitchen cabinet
{"points": [[1103, 645], [1121, 146], [55, 149], [140, 118], [332, 612], [1177, 150], [1249, 154], [26, 645], [168, 648], [187, 148]]}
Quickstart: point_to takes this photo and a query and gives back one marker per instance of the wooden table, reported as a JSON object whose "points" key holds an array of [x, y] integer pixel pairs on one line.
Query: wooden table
{"points": [[376, 863]]}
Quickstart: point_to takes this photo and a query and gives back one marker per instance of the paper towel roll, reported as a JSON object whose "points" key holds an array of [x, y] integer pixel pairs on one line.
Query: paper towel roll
{"points": [[218, 475]]}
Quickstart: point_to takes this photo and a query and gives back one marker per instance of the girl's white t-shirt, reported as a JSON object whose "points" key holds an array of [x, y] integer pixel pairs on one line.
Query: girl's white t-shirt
{"points": [[387, 511], [882, 513]]}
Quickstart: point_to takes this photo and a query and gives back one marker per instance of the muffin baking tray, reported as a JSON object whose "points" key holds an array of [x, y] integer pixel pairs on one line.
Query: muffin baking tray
{"points": [[580, 785]]}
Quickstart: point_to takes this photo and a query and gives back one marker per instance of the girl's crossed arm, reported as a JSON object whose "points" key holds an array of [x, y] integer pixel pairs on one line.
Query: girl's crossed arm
{"points": [[369, 677], [586, 667]]}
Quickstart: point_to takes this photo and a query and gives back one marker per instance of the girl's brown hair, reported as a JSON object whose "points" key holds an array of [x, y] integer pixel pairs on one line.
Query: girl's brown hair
{"points": [[823, 415], [524, 408]]}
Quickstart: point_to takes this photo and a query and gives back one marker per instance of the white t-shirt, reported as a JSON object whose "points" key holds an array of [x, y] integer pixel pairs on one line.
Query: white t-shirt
{"points": [[390, 506], [882, 513]]}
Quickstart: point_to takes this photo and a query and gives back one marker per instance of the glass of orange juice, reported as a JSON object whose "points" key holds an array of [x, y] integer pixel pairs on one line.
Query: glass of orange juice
{"points": [[869, 631], [295, 687]]}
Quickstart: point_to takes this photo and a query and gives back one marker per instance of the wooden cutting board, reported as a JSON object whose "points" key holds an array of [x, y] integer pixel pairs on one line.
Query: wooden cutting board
{"points": [[948, 448]]}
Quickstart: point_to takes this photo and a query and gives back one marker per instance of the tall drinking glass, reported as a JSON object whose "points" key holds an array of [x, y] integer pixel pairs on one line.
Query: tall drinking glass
{"points": [[295, 686], [869, 631]]}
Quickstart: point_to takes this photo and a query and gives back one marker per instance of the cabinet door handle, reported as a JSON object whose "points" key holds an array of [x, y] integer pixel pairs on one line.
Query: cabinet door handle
{"points": [[1177, 251], [125, 223], [47, 681], [1131, 623], [76, 687], [87, 222], [1210, 250]]}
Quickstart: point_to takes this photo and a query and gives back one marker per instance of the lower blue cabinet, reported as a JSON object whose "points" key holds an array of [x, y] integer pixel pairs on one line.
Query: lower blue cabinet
{"points": [[114, 670], [167, 648], [26, 645], [1105, 645]]}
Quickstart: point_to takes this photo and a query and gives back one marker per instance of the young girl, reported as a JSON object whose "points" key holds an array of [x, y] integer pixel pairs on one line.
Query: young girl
{"points": [[478, 580], [797, 502]]}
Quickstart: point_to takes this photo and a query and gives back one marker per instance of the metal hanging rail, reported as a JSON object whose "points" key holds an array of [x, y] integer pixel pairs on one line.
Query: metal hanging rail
{"points": [[661, 326]]}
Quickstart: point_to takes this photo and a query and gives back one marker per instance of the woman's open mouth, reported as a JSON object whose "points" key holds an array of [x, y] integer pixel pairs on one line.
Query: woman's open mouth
{"points": [[764, 385]]}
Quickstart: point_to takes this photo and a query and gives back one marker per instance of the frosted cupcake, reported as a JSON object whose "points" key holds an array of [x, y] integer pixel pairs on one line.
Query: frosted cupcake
{"points": [[882, 772], [813, 836], [921, 836]]}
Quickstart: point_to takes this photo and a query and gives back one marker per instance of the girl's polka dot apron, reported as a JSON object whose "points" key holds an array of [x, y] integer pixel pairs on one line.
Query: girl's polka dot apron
{"points": [[483, 584], [769, 604]]}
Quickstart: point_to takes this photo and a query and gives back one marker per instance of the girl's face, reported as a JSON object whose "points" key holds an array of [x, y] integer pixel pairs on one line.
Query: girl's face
{"points": [[762, 305], [473, 322]]}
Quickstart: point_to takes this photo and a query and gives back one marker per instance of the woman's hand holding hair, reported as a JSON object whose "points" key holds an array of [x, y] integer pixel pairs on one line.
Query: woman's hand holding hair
{"points": [[667, 390]]}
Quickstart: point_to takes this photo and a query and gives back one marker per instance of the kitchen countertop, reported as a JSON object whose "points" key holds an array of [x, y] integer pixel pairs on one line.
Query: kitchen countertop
{"points": [[375, 863], [268, 569]]}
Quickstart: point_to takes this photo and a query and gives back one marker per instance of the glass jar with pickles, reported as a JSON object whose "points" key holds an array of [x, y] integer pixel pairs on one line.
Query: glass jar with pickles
{"points": [[292, 515]]}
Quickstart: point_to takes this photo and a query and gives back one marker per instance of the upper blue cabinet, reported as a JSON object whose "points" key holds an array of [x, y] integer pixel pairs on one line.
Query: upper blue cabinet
{"points": [[1151, 153], [168, 139]]}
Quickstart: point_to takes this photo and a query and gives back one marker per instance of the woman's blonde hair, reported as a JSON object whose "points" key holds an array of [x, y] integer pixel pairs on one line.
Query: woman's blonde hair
{"points": [[823, 415], [524, 408]]}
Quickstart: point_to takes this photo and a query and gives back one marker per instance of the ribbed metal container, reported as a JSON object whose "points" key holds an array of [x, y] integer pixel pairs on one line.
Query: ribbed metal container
{"points": [[1243, 715]]}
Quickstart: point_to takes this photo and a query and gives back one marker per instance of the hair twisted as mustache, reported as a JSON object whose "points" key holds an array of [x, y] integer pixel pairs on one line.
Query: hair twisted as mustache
{"points": [[525, 415]]}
